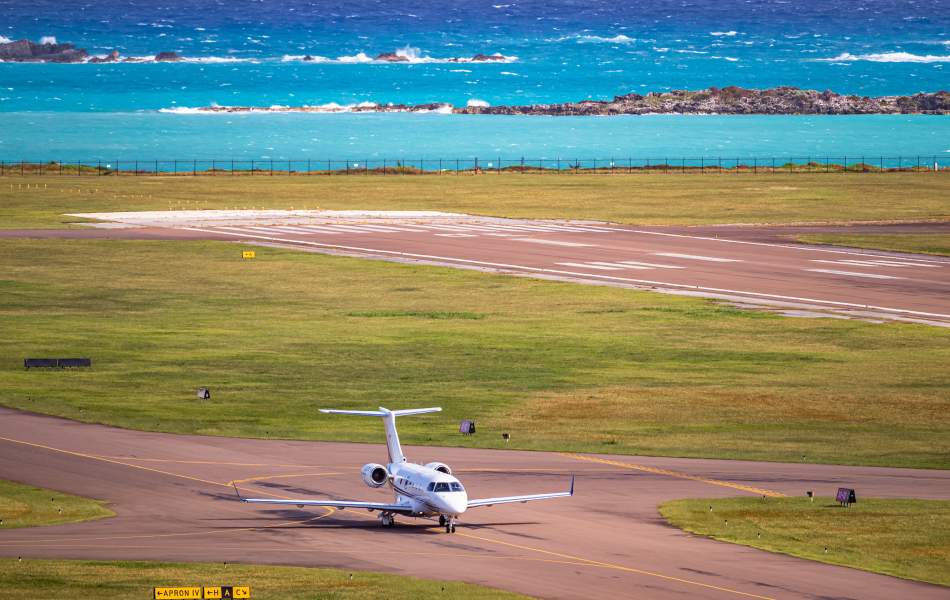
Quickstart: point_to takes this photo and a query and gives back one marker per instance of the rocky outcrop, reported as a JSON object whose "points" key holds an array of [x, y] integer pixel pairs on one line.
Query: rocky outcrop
{"points": [[392, 57], [734, 101], [167, 57], [27, 51], [109, 58], [488, 58], [727, 101]]}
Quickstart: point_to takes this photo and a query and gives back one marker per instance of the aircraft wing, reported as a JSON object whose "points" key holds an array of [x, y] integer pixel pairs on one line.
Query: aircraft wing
{"points": [[511, 499], [381, 506]]}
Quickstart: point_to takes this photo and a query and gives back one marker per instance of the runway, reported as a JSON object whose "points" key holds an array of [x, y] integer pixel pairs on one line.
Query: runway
{"points": [[745, 265], [173, 502]]}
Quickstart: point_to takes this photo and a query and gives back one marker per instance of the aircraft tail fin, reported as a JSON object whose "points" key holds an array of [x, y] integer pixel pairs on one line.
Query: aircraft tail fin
{"points": [[389, 420]]}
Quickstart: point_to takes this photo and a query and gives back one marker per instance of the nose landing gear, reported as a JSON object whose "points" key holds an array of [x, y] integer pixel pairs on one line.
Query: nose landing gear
{"points": [[387, 520], [449, 523]]}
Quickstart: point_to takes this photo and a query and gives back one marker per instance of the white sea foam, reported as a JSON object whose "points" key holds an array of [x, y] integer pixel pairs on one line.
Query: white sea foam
{"points": [[475, 102], [215, 59], [360, 57], [724, 33], [887, 57], [184, 110], [303, 58], [5, 40], [48, 39]]}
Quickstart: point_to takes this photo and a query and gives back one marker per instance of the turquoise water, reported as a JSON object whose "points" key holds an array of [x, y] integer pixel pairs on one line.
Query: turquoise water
{"points": [[249, 52], [148, 136]]}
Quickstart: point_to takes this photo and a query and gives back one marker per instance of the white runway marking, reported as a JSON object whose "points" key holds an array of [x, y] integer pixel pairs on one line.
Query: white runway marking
{"points": [[553, 242], [876, 263], [456, 235], [696, 257], [853, 274], [646, 264], [590, 266], [494, 265], [619, 265]]}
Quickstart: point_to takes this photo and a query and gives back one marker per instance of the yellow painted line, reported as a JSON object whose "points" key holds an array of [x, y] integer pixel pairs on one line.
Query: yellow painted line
{"points": [[265, 477], [679, 475], [130, 465], [210, 462], [597, 563], [151, 536]]}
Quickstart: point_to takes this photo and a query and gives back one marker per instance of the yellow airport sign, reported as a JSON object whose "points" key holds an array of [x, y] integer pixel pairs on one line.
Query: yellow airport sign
{"points": [[227, 592], [178, 593], [248, 254]]}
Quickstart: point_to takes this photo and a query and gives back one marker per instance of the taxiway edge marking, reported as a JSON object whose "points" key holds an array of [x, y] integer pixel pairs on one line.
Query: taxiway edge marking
{"points": [[678, 475]]}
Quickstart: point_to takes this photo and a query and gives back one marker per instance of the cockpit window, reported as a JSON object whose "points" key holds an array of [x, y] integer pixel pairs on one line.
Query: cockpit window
{"points": [[441, 487], [457, 487], [431, 486]]}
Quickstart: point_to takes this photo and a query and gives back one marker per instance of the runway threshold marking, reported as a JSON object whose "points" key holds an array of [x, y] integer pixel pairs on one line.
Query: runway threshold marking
{"points": [[597, 563], [678, 475], [666, 284]]}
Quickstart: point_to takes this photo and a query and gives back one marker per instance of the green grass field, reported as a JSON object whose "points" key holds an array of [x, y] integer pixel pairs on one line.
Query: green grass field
{"points": [[652, 199], [120, 580], [560, 366], [921, 243], [28, 506], [905, 538]]}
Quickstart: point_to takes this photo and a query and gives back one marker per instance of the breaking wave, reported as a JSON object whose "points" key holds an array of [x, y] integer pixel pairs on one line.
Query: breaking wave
{"points": [[887, 57], [596, 39]]}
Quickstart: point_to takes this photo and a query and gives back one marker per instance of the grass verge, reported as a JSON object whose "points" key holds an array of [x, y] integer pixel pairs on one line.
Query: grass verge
{"points": [[28, 506], [559, 366], [121, 580], [904, 538], [651, 199], [921, 243]]}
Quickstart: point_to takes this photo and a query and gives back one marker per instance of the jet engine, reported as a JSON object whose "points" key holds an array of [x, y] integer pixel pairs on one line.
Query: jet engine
{"points": [[374, 475], [440, 467]]}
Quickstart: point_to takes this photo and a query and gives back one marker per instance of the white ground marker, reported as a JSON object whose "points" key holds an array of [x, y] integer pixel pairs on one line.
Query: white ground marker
{"points": [[589, 266], [853, 274], [552, 242], [696, 257]]}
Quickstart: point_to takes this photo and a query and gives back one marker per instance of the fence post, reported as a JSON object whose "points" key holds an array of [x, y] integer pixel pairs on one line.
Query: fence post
{"points": [[232, 167], [308, 168], [3, 167], [918, 163], [252, 166], [272, 167], [755, 166]]}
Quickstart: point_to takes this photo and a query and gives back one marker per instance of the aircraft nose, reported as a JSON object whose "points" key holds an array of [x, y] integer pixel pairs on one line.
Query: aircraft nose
{"points": [[454, 504]]}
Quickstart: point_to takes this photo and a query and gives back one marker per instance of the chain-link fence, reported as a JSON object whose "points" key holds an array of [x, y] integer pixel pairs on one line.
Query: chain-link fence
{"points": [[469, 166]]}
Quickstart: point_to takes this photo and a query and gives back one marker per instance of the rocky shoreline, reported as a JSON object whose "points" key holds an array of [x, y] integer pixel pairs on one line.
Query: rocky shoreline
{"points": [[713, 101], [45, 51]]}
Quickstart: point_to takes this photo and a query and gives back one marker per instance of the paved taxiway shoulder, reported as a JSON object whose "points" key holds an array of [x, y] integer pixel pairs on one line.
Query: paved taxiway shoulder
{"points": [[173, 502]]}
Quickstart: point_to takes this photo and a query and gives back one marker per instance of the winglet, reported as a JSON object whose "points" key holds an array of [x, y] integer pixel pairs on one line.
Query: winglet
{"points": [[572, 485], [236, 491]]}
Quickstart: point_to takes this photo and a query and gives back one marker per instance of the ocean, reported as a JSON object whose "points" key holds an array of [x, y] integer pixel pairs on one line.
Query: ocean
{"points": [[251, 53]]}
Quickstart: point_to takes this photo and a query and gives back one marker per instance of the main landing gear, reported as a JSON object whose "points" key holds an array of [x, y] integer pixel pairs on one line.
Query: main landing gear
{"points": [[387, 520], [449, 523]]}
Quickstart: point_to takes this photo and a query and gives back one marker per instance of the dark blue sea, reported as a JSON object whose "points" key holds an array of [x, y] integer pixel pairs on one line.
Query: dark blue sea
{"points": [[251, 53]]}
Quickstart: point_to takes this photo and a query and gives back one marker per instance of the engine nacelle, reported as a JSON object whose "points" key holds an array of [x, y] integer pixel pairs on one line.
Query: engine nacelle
{"points": [[374, 475], [440, 467]]}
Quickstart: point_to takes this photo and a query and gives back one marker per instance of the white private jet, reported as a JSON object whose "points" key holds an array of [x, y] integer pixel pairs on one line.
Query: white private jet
{"points": [[421, 490]]}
